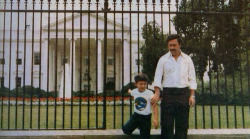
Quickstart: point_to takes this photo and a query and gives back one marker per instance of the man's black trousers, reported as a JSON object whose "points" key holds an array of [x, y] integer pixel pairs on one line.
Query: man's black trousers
{"points": [[174, 113]]}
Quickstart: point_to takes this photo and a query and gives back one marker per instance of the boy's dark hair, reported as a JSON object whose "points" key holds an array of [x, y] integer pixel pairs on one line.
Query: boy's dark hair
{"points": [[141, 77], [174, 36]]}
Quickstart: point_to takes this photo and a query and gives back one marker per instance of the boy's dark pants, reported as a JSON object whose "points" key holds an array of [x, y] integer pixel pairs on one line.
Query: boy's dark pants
{"points": [[143, 122], [174, 108]]}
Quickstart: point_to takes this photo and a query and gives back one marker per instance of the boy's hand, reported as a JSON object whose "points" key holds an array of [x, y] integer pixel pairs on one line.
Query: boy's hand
{"points": [[155, 123], [129, 91]]}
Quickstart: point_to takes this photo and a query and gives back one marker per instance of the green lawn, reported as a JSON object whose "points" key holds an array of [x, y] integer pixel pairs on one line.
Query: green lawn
{"points": [[110, 117]]}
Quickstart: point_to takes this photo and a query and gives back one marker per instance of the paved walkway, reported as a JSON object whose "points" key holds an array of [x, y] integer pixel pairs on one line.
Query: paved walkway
{"points": [[118, 134]]}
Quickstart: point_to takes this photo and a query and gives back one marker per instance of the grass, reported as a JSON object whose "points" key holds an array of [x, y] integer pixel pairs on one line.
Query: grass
{"points": [[90, 118]]}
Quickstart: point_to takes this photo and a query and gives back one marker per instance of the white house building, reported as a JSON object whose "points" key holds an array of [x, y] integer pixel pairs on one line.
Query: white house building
{"points": [[39, 57]]}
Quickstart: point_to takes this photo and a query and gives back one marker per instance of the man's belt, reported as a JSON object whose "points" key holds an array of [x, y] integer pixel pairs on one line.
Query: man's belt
{"points": [[175, 91]]}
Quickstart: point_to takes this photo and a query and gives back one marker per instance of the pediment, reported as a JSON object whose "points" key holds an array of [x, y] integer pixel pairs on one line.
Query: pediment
{"points": [[85, 25]]}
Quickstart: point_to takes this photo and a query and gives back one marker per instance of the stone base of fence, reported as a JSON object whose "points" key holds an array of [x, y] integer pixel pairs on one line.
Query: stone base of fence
{"points": [[118, 134]]}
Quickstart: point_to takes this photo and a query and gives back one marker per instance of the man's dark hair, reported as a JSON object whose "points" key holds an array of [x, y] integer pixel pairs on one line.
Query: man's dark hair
{"points": [[141, 77], [174, 36]]}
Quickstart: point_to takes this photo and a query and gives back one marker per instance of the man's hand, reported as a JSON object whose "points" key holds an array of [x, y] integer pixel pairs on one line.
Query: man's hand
{"points": [[154, 99], [155, 123], [156, 96], [191, 101]]}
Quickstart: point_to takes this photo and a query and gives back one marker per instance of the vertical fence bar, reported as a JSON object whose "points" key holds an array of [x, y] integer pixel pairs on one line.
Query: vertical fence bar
{"points": [[234, 95], [122, 61], [218, 84], [40, 50], [88, 116], [3, 62], [247, 56], [153, 1], [106, 9], [64, 61], [80, 85], [247, 49], [11, 4], [114, 95], [169, 18], [56, 54], [72, 64], [32, 59], [97, 39], [233, 76], [210, 92], [24, 62], [17, 53], [161, 3], [146, 23], [218, 92], [241, 93], [241, 96], [138, 34], [225, 74], [48, 62], [177, 13], [226, 94], [130, 54]]}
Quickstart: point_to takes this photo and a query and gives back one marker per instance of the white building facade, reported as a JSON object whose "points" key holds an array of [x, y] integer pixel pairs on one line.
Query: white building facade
{"points": [[40, 58]]}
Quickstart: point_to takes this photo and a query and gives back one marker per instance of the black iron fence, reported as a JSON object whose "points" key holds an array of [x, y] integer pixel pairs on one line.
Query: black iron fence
{"points": [[67, 64]]}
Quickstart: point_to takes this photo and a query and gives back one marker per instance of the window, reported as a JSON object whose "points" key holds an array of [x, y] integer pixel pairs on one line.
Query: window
{"points": [[37, 58], [85, 77], [85, 87], [19, 61], [86, 61], [137, 62], [110, 79], [1, 82], [111, 61], [64, 60], [18, 81], [2, 61]]}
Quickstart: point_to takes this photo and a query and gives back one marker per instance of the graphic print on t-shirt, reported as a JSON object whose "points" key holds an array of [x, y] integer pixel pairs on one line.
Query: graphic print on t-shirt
{"points": [[140, 103]]}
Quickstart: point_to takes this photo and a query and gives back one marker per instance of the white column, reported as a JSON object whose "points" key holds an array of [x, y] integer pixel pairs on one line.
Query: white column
{"points": [[100, 66], [72, 57], [44, 64], [126, 62]]}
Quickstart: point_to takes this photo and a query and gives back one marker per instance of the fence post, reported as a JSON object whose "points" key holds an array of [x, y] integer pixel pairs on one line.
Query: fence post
{"points": [[106, 10]]}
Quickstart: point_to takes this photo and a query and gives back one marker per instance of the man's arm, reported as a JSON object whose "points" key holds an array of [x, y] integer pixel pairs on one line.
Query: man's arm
{"points": [[193, 84], [157, 81]]}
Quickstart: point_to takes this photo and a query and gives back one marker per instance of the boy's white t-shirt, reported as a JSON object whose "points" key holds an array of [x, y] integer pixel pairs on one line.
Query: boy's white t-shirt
{"points": [[142, 101]]}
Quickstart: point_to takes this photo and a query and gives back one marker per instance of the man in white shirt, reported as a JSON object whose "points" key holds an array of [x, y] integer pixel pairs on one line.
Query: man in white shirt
{"points": [[175, 73]]}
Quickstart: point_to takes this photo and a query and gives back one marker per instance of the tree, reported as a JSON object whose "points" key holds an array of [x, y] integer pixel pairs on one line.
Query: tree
{"points": [[211, 38], [153, 48]]}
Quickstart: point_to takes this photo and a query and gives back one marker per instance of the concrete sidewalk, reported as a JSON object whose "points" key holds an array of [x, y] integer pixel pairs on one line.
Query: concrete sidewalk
{"points": [[118, 134]]}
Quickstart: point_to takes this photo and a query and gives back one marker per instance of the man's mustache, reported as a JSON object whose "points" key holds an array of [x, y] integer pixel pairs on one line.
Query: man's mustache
{"points": [[172, 50]]}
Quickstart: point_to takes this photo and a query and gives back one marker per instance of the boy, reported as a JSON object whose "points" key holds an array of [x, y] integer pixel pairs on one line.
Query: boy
{"points": [[141, 117]]}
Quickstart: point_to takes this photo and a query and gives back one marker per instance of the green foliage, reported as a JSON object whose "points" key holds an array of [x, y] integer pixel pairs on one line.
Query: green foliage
{"points": [[128, 86], [4, 91], [224, 90], [26, 91], [84, 93], [110, 86], [153, 48], [215, 38]]}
